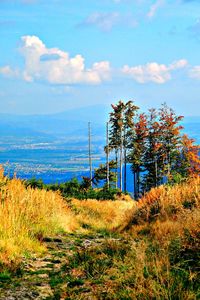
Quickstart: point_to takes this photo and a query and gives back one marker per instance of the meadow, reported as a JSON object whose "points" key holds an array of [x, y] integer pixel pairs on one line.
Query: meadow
{"points": [[119, 249]]}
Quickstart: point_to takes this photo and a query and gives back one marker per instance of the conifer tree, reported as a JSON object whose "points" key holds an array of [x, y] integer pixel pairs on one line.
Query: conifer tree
{"points": [[153, 157], [170, 137], [100, 174], [121, 120], [187, 162], [116, 135], [129, 132], [152, 143], [138, 150]]}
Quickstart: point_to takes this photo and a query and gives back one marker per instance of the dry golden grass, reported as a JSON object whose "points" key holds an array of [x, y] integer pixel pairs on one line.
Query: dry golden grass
{"points": [[27, 215], [106, 215], [167, 220], [167, 212], [174, 195], [161, 244]]}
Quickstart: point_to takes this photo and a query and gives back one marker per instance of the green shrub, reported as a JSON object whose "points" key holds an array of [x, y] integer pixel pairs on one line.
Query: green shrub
{"points": [[74, 189]]}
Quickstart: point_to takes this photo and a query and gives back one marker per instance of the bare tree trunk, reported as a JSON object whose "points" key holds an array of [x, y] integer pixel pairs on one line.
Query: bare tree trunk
{"points": [[135, 185], [107, 157], [168, 165], [156, 169], [121, 159], [138, 183], [116, 172], [125, 162], [89, 152], [125, 171]]}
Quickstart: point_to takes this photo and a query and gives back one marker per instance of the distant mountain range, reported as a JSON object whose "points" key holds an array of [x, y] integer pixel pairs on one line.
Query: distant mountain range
{"points": [[66, 124], [71, 123]]}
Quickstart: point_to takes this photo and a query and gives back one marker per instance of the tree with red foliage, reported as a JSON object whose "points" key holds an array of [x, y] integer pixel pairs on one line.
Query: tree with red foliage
{"points": [[187, 161], [153, 144]]}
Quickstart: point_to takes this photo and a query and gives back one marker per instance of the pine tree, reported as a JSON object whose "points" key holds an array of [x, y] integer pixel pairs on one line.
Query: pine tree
{"points": [[138, 150], [122, 123], [116, 135], [187, 161], [153, 157], [129, 132], [170, 138], [152, 143], [100, 174]]}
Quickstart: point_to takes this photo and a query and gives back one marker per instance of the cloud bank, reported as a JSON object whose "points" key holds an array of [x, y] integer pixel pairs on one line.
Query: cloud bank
{"points": [[57, 67], [153, 72], [54, 66], [8, 72], [195, 72], [106, 21], [154, 7]]}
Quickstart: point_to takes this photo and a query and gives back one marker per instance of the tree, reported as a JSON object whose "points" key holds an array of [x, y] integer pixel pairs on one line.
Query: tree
{"points": [[121, 130], [187, 161], [153, 144], [170, 137], [129, 132], [115, 135], [153, 156], [138, 150], [100, 174]]}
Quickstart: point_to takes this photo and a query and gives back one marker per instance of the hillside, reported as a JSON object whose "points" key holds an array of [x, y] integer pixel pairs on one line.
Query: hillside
{"points": [[70, 123], [53, 249], [73, 122]]}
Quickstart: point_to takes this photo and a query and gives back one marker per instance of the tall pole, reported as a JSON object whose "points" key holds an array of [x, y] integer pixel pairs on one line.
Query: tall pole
{"points": [[156, 167], [116, 171], [107, 156], [121, 159], [89, 153], [125, 162]]}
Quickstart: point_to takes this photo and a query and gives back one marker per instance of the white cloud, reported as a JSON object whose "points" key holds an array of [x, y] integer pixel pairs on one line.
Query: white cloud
{"points": [[57, 67], [7, 71], [105, 21], [195, 72], [179, 64], [153, 72], [154, 7]]}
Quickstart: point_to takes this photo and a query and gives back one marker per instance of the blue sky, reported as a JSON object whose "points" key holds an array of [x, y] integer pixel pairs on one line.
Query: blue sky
{"points": [[62, 54]]}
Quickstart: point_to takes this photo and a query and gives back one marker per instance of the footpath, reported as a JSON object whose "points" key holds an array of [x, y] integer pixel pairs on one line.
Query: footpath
{"points": [[56, 275]]}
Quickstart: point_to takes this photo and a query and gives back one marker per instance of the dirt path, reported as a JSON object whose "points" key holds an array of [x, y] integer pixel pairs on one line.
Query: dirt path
{"points": [[52, 276]]}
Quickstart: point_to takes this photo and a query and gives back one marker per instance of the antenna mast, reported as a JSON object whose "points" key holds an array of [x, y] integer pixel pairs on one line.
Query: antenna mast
{"points": [[107, 156], [89, 153]]}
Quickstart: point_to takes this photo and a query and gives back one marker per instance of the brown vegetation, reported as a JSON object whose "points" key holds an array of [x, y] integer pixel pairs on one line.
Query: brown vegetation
{"points": [[119, 249]]}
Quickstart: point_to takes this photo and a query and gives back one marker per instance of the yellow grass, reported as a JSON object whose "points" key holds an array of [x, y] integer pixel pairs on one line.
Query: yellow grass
{"points": [[162, 215], [105, 215], [26, 215], [169, 211], [167, 220]]}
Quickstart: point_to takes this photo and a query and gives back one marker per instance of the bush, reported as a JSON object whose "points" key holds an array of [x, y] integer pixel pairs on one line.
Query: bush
{"points": [[74, 189]]}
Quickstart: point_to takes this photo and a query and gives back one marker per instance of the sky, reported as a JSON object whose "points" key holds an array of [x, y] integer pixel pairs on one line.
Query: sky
{"points": [[57, 55]]}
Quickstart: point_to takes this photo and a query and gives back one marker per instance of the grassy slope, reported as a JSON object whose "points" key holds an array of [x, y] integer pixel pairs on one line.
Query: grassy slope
{"points": [[146, 251], [26, 215], [157, 253]]}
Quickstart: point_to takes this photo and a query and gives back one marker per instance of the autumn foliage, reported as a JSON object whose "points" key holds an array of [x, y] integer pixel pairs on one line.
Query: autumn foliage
{"points": [[154, 146]]}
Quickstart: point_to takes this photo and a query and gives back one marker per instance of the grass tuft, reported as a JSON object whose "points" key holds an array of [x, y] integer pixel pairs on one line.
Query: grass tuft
{"points": [[26, 216]]}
